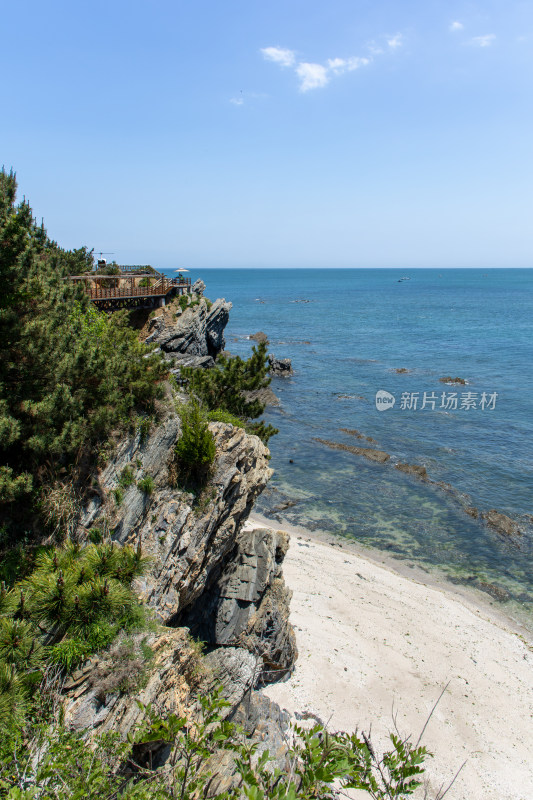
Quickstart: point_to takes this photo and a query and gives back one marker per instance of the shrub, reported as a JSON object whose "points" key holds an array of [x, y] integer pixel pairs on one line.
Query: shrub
{"points": [[75, 601], [195, 449], [126, 478], [58, 765], [183, 301], [225, 416], [118, 494], [146, 484], [95, 535], [225, 387], [262, 430], [144, 428], [59, 506]]}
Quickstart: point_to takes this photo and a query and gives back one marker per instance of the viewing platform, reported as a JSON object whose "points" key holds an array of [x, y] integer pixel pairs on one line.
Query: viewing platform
{"points": [[131, 287]]}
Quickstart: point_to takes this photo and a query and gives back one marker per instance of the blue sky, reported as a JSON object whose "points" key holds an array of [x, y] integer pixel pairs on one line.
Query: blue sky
{"points": [[361, 133]]}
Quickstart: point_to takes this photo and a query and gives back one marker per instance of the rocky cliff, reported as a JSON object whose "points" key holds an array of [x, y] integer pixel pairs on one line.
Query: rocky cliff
{"points": [[193, 336], [211, 574]]}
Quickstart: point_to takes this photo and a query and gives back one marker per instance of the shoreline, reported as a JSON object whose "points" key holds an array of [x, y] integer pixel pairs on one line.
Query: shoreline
{"points": [[377, 645], [475, 599]]}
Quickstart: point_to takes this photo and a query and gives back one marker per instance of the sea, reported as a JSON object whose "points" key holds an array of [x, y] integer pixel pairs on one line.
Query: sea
{"points": [[369, 348]]}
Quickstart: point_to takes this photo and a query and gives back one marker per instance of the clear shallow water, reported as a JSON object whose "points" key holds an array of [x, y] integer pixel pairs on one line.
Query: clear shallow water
{"points": [[345, 343]]}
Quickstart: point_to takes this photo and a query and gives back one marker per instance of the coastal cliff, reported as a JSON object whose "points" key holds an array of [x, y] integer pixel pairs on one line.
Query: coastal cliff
{"points": [[212, 575], [192, 335]]}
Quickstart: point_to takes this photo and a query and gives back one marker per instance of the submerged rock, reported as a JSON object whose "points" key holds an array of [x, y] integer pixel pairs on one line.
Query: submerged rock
{"points": [[501, 523], [498, 592], [373, 455], [358, 434], [413, 469], [472, 512], [453, 381], [259, 337]]}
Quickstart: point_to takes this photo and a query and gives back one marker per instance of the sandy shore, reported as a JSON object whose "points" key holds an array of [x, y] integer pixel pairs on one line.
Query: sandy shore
{"points": [[374, 643]]}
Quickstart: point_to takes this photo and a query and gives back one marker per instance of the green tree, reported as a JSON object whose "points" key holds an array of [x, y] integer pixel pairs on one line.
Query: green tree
{"points": [[225, 387], [69, 373], [195, 449]]}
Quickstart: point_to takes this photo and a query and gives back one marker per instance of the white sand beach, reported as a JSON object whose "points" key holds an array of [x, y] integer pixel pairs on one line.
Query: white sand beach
{"points": [[374, 643]]}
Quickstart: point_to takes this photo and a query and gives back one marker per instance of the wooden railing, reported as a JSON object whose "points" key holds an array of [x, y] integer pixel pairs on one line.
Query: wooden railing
{"points": [[160, 288]]}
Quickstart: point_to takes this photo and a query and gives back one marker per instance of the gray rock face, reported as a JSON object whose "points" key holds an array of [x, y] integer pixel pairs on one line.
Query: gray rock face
{"points": [[198, 286], [186, 542], [280, 367], [207, 572], [199, 331], [202, 562], [246, 603], [183, 360]]}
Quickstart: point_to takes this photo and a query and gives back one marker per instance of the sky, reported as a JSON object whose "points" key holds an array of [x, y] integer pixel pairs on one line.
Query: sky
{"points": [[287, 133]]}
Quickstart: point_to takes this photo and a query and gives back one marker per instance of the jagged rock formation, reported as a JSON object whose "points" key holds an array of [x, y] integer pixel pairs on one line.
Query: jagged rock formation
{"points": [[246, 603], [197, 331], [201, 556], [280, 367], [198, 286], [93, 705], [210, 573]]}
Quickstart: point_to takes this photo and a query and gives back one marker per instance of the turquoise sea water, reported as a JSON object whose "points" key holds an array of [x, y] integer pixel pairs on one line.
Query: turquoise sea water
{"points": [[355, 328]]}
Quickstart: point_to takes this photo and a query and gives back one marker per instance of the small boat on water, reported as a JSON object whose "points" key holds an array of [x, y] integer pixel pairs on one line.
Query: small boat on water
{"points": [[403, 279]]}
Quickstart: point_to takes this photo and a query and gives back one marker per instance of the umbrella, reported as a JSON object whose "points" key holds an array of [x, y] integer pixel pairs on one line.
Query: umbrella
{"points": [[181, 270]]}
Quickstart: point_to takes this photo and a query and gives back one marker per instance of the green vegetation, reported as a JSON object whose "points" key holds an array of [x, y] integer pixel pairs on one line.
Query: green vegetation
{"points": [[195, 449], [54, 764], [70, 378], [224, 387], [126, 478], [69, 374], [225, 416], [74, 602], [146, 484], [118, 494]]}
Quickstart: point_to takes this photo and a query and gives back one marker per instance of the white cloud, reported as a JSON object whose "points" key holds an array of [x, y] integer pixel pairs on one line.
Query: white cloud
{"points": [[280, 55], [316, 76], [483, 41], [395, 41], [237, 101], [340, 65], [312, 76], [456, 26]]}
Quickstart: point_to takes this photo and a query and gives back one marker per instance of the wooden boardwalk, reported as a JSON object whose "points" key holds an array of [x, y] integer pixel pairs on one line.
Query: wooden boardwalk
{"points": [[123, 290]]}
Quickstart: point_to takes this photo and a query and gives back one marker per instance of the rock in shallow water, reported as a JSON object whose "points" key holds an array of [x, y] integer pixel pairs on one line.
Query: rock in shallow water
{"points": [[280, 367]]}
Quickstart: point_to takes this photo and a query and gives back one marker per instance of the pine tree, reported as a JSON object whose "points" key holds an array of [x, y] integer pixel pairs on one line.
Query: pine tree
{"points": [[69, 374], [224, 387]]}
